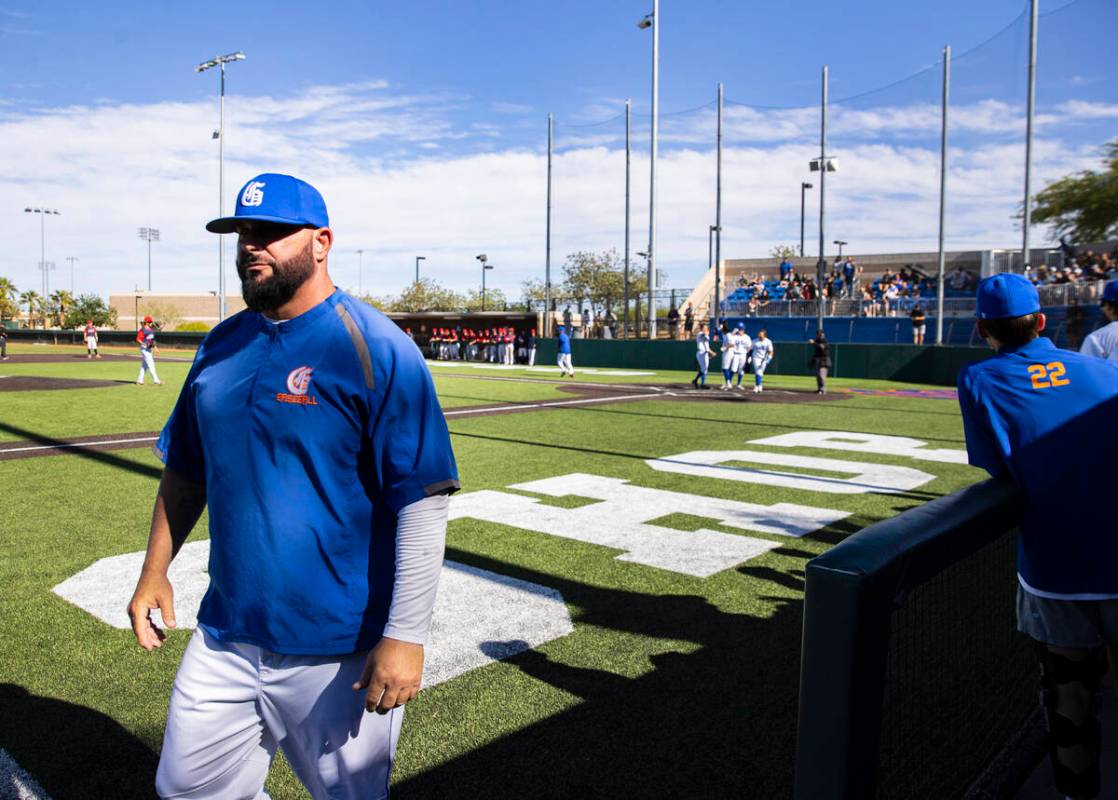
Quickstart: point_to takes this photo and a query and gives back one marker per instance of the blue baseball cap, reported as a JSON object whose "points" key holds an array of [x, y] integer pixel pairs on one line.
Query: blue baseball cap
{"points": [[272, 197], [1110, 292], [1006, 295], [741, 326]]}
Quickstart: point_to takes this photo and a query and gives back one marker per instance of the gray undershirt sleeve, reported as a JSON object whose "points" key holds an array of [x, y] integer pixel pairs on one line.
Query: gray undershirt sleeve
{"points": [[420, 543]]}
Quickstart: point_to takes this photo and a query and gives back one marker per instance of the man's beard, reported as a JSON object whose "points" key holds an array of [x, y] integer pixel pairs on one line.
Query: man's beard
{"points": [[266, 295]]}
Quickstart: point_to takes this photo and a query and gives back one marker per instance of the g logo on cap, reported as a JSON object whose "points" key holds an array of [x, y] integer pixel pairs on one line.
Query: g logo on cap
{"points": [[253, 195]]}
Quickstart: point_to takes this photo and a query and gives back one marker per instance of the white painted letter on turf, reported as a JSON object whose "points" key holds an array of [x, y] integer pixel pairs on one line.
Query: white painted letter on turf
{"points": [[865, 443], [865, 478], [620, 521], [477, 613]]}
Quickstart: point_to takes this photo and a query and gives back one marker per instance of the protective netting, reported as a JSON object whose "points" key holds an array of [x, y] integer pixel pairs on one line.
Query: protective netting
{"points": [[884, 196], [961, 682]]}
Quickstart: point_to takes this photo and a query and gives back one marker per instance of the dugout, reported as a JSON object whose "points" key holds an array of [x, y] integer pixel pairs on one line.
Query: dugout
{"points": [[423, 322]]}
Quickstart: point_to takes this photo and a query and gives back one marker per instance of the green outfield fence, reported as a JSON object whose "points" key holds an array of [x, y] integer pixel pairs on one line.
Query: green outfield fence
{"points": [[913, 680], [896, 362], [55, 336]]}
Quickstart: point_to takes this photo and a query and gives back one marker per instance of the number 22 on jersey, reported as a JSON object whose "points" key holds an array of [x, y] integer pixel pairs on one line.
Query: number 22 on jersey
{"points": [[1045, 376]]}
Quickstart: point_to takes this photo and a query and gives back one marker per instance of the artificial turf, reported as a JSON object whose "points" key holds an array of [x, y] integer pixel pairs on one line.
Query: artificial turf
{"points": [[670, 685]]}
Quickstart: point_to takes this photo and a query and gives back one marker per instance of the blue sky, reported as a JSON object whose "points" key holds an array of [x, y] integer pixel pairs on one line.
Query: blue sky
{"points": [[424, 123]]}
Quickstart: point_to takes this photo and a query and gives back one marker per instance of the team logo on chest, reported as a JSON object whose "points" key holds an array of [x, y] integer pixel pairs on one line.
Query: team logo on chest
{"points": [[298, 384]]}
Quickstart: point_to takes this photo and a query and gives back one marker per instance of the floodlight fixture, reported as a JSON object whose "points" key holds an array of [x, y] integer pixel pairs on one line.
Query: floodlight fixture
{"points": [[219, 60], [832, 165], [646, 22]]}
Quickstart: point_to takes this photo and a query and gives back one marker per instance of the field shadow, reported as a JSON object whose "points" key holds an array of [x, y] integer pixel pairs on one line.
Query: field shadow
{"points": [[90, 452], [717, 721], [73, 751]]}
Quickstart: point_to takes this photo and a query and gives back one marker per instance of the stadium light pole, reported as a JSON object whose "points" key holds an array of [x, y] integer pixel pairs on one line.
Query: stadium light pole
{"points": [[484, 259], [149, 235], [803, 188], [841, 244], [941, 265], [417, 260], [219, 134], [547, 243], [43, 213], [628, 156], [1028, 211], [72, 259], [361, 271], [652, 20]]}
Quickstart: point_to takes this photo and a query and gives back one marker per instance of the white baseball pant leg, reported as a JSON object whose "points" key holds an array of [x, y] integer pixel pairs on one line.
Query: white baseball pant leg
{"points": [[233, 704], [147, 363], [565, 363], [531, 356]]}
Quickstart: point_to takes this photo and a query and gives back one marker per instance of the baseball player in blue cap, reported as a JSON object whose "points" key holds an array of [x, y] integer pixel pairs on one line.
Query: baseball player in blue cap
{"points": [[1103, 343], [1045, 419], [309, 426]]}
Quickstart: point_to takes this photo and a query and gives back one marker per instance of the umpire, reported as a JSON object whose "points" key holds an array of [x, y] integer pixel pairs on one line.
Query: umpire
{"points": [[310, 427]]}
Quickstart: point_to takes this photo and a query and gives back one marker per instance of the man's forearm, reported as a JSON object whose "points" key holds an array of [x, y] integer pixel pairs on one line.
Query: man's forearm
{"points": [[420, 543], [178, 505]]}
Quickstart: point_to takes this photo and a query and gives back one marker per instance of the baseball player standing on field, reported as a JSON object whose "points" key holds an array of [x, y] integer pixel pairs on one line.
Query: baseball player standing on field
{"points": [[702, 355], [89, 333], [145, 337], [761, 353], [1103, 343], [310, 427], [1045, 419], [565, 366], [742, 345], [726, 347]]}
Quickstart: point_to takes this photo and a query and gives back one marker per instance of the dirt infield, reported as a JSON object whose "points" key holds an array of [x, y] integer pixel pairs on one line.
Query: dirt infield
{"points": [[34, 383]]}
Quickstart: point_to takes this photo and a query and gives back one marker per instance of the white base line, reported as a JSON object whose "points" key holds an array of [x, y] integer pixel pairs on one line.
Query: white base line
{"points": [[76, 444], [497, 409]]}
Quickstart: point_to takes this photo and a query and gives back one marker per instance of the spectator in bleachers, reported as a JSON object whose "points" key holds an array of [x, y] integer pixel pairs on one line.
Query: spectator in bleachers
{"points": [[752, 306], [673, 322], [688, 320], [958, 279], [785, 268], [918, 323]]}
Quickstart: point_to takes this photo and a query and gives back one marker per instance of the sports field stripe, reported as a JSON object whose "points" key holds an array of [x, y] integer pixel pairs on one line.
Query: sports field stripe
{"points": [[531, 406], [63, 445]]}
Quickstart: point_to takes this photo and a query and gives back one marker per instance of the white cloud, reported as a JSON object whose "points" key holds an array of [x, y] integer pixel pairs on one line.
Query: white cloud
{"points": [[402, 178]]}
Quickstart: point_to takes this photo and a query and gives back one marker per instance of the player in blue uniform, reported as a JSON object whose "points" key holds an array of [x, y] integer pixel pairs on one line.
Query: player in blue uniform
{"points": [[310, 427], [565, 366], [1045, 419]]}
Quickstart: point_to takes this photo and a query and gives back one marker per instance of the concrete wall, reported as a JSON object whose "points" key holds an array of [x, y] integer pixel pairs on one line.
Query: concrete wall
{"points": [[134, 306]]}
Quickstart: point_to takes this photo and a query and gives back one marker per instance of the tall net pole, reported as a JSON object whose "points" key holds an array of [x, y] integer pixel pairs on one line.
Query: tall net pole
{"points": [[1028, 210], [942, 192]]}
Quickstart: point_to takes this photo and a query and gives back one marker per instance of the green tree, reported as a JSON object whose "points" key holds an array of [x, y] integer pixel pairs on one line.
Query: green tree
{"points": [[60, 302], [1083, 206], [34, 304], [494, 300], [783, 251], [89, 307], [379, 303], [9, 294], [427, 295]]}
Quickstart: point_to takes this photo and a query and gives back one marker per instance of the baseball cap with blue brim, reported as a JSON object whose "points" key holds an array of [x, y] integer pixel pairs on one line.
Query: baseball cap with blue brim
{"points": [[1006, 295], [1110, 292], [273, 197]]}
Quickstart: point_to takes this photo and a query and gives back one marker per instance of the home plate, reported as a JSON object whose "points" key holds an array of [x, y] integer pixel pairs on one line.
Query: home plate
{"points": [[479, 616]]}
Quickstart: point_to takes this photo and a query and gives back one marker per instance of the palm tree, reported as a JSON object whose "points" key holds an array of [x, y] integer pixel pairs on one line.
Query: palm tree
{"points": [[8, 292], [60, 302], [31, 299]]}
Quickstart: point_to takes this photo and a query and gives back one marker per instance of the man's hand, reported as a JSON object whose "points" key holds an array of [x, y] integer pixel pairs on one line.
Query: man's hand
{"points": [[392, 673], [152, 591]]}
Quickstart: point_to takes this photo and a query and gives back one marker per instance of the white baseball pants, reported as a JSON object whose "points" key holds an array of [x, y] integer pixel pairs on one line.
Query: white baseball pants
{"points": [[565, 364], [232, 704], [147, 363]]}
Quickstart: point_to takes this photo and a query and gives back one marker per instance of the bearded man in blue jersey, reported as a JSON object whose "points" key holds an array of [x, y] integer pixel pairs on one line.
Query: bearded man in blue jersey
{"points": [[309, 426], [1047, 419]]}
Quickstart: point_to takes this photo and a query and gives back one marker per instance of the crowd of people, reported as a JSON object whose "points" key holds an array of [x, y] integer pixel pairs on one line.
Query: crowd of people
{"points": [[1077, 267], [505, 345]]}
